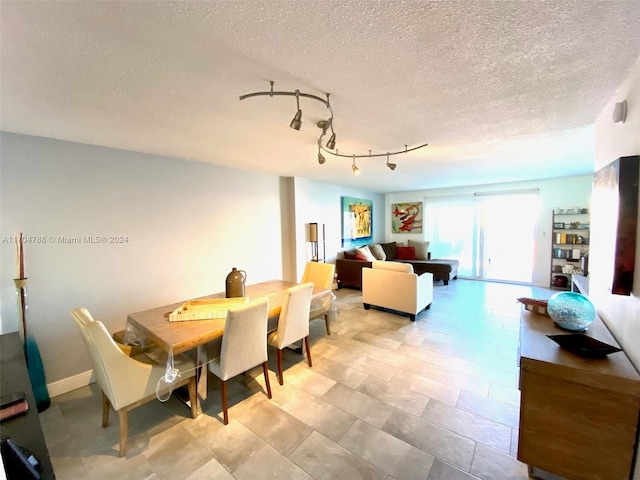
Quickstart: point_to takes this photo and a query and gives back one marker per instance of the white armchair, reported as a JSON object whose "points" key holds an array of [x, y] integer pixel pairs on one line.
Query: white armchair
{"points": [[393, 285]]}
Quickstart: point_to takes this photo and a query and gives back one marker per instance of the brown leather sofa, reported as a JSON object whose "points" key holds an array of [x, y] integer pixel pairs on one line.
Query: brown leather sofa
{"points": [[349, 272]]}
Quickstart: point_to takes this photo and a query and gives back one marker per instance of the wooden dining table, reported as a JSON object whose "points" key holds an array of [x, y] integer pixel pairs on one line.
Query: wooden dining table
{"points": [[153, 325]]}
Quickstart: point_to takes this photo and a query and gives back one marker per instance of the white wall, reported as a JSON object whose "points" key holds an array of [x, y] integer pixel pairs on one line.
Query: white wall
{"points": [[322, 203], [567, 192], [621, 313]]}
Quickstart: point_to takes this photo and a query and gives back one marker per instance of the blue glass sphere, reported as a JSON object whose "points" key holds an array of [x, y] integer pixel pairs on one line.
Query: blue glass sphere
{"points": [[571, 311]]}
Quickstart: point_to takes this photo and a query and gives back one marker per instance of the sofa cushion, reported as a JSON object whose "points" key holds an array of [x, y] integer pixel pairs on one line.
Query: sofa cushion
{"points": [[422, 249], [389, 250], [406, 253], [365, 253], [350, 254], [394, 266], [378, 251]]}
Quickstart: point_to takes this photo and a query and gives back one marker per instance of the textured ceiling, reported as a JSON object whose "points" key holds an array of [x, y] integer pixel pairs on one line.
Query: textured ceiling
{"points": [[502, 91]]}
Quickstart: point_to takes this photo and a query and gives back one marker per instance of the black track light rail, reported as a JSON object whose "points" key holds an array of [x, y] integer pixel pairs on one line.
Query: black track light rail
{"points": [[325, 124]]}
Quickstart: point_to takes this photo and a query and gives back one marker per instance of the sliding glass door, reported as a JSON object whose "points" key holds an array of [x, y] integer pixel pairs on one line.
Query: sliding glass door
{"points": [[492, 235]]}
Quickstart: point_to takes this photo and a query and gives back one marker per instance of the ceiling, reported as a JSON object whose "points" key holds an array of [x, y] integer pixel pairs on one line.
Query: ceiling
{"points": [[501, 90]]}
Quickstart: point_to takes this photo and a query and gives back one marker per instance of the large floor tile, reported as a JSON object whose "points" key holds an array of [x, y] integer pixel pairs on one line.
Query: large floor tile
{"points": [[472, 426], [323, 417], [489, 464], [398, 458], [324, 459], [504, 413], [275, 426], [395, 395], [430, 438], [279, 467], [360, 405]]}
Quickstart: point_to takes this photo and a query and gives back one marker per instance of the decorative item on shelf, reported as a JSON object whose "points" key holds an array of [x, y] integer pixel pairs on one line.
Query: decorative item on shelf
{"points": [[234, 284], [560, 281], [324, 126], [31, 350], [535, 305], [571, 311]]}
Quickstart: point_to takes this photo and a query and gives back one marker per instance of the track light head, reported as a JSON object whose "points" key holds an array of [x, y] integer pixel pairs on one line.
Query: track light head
{"points": [[354, 167], [296, 123], [392, 166], [321, 159], [331, 144]]}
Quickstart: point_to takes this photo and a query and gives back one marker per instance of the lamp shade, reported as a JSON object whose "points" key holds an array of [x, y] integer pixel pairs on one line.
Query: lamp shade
{"points": [[313, 232]]}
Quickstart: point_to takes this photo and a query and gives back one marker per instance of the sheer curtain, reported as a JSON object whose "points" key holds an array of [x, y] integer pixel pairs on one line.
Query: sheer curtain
{"points": [[491, 234], [449, 224]]}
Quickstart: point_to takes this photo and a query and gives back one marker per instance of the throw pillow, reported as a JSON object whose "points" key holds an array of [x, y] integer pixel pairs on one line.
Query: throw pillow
{"points": [[389, 250], [366, 253], [406, 253], [422, 249], [378, 252], [350, 254]]}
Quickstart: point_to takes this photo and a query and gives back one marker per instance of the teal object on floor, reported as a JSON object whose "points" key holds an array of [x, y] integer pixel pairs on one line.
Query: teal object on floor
{"points": [[571, 311], [36, 374]]}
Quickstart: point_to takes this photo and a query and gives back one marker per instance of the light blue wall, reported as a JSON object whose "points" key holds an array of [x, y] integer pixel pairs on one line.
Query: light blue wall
{"points": [[186, 225]]}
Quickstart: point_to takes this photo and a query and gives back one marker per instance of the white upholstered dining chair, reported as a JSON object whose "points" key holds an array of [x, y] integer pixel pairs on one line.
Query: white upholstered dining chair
{"points": [[243, 346], [293, 324], [322, 276], [126, 382]]}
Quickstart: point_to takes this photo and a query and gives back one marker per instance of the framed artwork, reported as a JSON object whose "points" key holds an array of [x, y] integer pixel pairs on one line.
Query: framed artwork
{"points": [[615, 192], [357, 222], [406, 217]]}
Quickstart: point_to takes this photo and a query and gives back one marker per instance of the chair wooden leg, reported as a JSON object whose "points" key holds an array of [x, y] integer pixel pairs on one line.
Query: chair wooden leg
{"points": [[306, 346], [326, 322], [193, 396], [280, 379], [223, 393], [265, 370], [106, 405], [124, 430]]}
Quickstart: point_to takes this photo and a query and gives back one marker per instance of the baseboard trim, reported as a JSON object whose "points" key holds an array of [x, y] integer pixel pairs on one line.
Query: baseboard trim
{"points": [[70, 383]]}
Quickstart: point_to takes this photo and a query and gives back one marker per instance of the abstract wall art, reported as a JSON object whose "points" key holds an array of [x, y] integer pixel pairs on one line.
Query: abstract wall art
{"points": [[357, 222], [406, 217]]}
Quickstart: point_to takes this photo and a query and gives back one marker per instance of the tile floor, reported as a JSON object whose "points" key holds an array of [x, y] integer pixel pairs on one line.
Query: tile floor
{"points": [[386, 399]]}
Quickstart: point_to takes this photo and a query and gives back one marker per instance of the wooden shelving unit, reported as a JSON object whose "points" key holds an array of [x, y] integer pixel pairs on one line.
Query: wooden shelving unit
{"points": [[569, 244]]}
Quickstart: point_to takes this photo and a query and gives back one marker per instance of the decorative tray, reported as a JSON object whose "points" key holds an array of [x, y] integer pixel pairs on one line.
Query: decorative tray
{"points": [[583, 345], [534, 305], [205, 309]]}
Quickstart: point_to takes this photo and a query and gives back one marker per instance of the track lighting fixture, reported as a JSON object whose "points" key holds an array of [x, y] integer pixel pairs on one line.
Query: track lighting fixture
{"points": [[392, 166], [354, 167], [331, 144], [325, 125], [296, 123]]}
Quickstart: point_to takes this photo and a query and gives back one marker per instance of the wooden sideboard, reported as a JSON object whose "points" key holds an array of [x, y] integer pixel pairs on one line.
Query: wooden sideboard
{"points": [[578, 416]]}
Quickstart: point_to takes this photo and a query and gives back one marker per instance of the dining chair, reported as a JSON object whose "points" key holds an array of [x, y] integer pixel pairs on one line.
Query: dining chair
{"points": [[243, 346], [321, 275], [127, 382], [293, 324]]}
